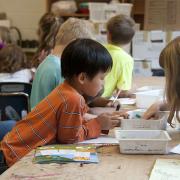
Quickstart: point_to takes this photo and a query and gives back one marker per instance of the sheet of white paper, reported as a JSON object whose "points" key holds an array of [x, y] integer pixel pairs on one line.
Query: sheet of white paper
{"points": [[166, 169], [176, 149], [125, 101], [101, 140]]}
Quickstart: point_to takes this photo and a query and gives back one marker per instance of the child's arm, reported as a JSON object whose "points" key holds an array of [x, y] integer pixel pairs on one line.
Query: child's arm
{"points": [[72, 125], [153, 109]]}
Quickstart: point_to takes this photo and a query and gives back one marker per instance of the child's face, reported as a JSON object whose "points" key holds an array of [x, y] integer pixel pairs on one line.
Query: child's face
{"points": [[91, 87]]}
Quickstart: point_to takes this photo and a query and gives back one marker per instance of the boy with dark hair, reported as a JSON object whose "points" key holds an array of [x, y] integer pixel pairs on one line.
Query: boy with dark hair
{"points": [[61, 116], [120, 31]]}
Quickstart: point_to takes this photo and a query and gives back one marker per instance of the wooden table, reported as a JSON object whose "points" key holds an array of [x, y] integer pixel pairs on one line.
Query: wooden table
{"points": [[112, 165]]}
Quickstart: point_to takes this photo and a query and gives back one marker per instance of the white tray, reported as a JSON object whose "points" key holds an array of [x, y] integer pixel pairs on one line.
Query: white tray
{"points": [[135, 122], [142, 141]]}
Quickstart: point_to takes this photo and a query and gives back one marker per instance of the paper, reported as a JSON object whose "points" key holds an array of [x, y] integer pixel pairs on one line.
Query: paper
{"points": [[162, 14], [125, 101], [101, 140], [166, 169], [176, 149]]}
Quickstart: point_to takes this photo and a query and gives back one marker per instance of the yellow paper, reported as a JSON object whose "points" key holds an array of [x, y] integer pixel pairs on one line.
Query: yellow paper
{"points": [[166, 169]]}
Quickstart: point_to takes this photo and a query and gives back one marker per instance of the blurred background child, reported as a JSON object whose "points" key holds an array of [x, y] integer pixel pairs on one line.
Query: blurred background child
{"points": [[48, 27], [14, 65], [120, 31], [48, 74]]}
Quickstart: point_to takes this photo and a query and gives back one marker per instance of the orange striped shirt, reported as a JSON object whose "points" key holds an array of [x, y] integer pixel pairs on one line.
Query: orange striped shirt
{"points": [[56, 119]]}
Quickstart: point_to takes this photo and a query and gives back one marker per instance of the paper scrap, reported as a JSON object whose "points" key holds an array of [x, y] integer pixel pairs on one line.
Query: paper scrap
{"points": [[166, 169], [176, 149], [101, 140]]}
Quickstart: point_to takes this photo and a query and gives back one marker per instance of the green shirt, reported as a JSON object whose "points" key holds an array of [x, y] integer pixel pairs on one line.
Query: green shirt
{"points": [[47, 77], [120, 77]]}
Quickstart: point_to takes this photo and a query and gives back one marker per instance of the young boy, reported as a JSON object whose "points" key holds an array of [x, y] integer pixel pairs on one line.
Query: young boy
{"points": [[48, 74], [60, 117], [120, 31]]}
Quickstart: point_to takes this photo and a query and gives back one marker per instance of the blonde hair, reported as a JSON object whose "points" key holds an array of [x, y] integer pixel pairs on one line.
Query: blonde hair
{"points": [[72, 29], [170, 61], [12, 59]]}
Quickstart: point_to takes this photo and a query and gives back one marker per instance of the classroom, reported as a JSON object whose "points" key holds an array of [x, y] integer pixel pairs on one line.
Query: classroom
{"points": [[90, 89]]}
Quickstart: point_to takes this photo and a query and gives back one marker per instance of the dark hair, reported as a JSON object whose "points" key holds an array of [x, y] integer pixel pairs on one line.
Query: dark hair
{"points": [[85, 55], [49, 25], [121, 29], [12, 59]]}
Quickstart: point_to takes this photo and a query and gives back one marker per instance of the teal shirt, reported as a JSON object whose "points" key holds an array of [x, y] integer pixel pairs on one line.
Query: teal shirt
{"points": [[47, 77]]}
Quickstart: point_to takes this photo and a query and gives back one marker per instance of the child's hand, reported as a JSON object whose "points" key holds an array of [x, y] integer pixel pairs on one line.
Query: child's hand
{"points": [[108, 121], [152, 111], [121, 115], [115, 104]]}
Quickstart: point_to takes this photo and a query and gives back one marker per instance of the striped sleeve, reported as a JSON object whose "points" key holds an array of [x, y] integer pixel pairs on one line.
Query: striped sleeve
{"points": [[72, 126]]}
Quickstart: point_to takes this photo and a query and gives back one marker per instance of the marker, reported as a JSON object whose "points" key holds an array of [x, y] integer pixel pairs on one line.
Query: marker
{"points": [[118, 107]]}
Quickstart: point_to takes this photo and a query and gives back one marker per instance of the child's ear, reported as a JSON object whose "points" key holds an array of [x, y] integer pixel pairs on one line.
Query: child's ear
{"points": [[82, 77]]}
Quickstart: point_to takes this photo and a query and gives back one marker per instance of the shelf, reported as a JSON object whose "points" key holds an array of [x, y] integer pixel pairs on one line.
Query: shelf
{"points": [[74, 15]]}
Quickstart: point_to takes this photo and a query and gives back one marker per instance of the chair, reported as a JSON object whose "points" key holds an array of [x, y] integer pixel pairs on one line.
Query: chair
{"points": [[14, 105], [7, 87]]}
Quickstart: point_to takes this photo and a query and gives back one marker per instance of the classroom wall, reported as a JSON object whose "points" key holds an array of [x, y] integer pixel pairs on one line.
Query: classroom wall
{"points": [[24, 14]]}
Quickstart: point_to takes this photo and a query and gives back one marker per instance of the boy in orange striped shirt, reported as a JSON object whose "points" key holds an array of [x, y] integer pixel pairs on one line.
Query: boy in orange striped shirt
{"points": [[60, 117]]}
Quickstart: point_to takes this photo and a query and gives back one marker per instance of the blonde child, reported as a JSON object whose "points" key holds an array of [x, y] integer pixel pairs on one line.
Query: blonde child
{"points": [[60, 117], [120, 31], [49, 25], [170, 61], [48, 74]]}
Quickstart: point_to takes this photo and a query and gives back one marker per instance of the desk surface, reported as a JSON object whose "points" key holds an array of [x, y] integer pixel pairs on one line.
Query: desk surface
{"points": [[112, 165]]}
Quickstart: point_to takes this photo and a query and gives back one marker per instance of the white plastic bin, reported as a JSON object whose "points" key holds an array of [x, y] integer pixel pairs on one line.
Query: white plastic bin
{"points": [[142, 141], [146, 99], [148, 88], [135, 121]]}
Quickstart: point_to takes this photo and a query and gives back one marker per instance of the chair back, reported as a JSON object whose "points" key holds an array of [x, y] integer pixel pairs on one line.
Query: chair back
{"points": [[14, 106], [9, 87]]}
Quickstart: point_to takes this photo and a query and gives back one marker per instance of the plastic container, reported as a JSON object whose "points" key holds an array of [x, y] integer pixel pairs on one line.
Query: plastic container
{"points": [[142, 141], [147, 98], [136, 122], [148, 88]]}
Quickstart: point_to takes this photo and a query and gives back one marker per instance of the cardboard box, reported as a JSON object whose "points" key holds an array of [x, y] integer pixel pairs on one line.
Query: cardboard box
{"points": [[147, 45]]}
